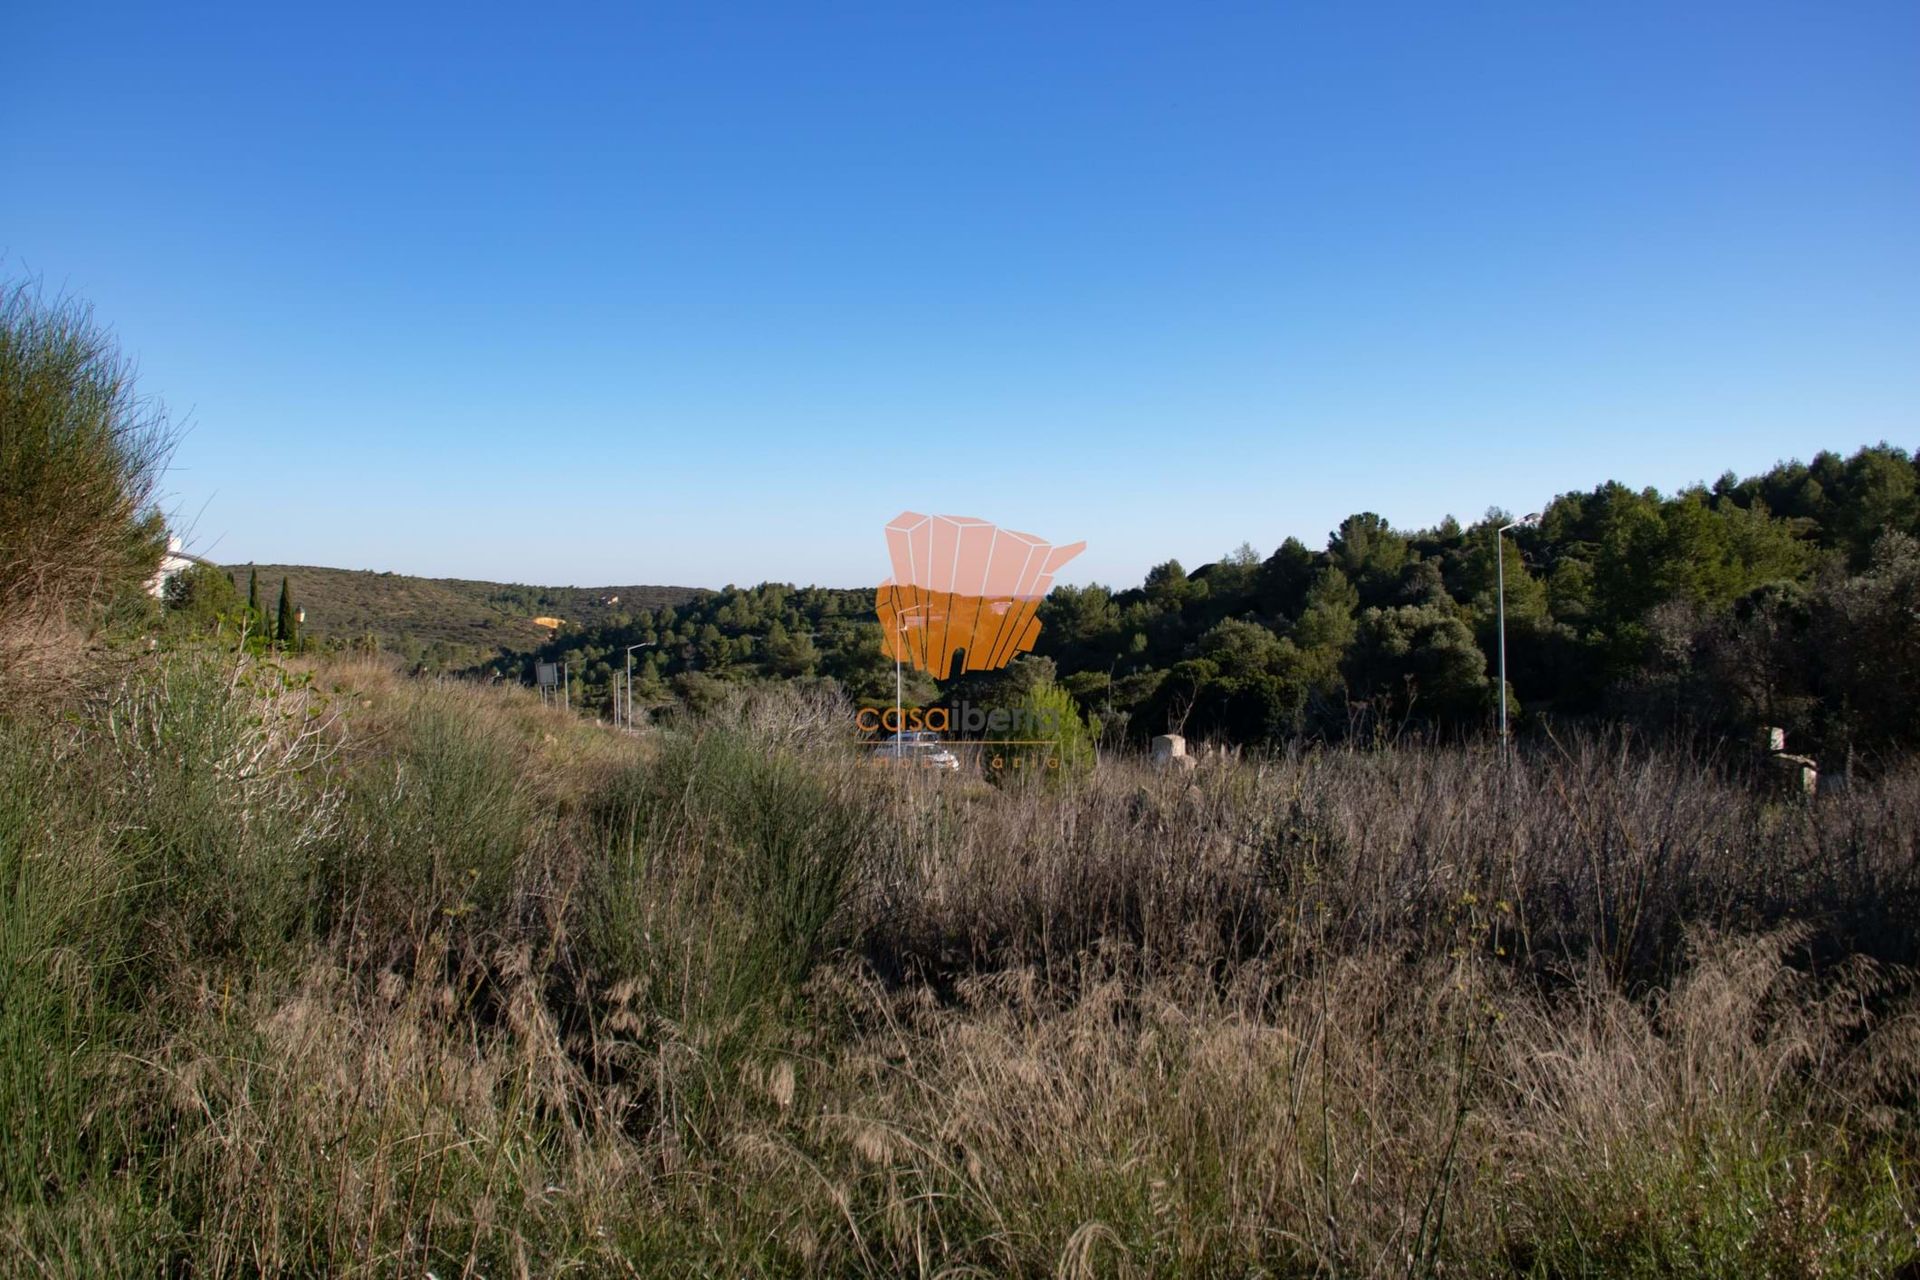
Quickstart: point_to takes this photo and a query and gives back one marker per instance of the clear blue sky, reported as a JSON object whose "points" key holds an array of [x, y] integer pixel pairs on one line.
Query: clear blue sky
{"points": [[709, 293]]}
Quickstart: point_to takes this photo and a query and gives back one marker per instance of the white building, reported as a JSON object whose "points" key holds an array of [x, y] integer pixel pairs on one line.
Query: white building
{"points": [[175, 561]]}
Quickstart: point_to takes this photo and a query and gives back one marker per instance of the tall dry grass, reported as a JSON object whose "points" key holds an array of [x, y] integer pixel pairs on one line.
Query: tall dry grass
{"points": [[320, 971]]}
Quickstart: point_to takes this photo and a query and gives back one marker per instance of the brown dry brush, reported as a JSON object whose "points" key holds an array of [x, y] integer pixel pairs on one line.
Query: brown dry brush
{"points": [[1599, 851], [320, 971], [80, 455]]}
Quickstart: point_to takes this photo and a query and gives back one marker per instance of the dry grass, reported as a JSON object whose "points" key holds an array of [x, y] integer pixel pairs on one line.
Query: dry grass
{"points": [[327, 972]]}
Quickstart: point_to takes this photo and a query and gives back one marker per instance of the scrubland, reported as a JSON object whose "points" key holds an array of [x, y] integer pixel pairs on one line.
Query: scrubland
{"points": [[311, 969]]}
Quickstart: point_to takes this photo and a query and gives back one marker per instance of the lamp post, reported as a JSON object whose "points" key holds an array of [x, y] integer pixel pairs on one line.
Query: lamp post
{"points": [[629, 708], [899, 713], [1500, 590]]}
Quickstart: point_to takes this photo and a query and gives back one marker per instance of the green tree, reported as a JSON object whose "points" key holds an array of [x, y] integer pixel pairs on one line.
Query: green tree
{"points": [[786, 655], [1281, 584], [1042, 710], [1167, 585], [1570, 590], [1367, 550], [1240, 648], [1326, 627], [287, 624], [1874, 493], [202, 597], [1480, 575], [1079, 624], [1419, 657], [1761, 661], [1866, 633], [1232, 577]]}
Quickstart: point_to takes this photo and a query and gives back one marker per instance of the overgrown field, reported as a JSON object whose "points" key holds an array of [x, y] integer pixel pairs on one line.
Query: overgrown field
{"points": [[323, 972]]}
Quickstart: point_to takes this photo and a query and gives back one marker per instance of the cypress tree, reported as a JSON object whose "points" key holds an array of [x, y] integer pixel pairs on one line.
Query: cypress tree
{"points": [[253, 593], [287, 629]]}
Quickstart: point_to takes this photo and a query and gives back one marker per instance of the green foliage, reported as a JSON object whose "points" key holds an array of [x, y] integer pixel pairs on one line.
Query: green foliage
{"points": [[442, 833], [1240, 648], [80, 454], [1034, 699], [729, 852], [286, 624], [1620, 601], [52, 900], [1326, 624], [1866, 641], [202, 597], [1414, 656], [1167, 585], [1283, 580], [1368, 552], [450, 624]]}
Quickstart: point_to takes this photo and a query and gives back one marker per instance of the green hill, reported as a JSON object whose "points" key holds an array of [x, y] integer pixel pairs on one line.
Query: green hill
{"points": [[452, 618]]}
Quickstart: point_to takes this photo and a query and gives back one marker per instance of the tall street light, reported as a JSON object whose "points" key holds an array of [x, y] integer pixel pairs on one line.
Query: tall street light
{"points": [[899, 713], [1500, 588]]}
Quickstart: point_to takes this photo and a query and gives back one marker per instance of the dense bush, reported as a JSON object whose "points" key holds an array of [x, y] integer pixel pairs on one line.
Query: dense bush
{"points": [[80, 453]]}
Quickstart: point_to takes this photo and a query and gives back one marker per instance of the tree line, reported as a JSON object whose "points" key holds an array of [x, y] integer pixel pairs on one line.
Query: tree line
{"points": [[1786, 599]]}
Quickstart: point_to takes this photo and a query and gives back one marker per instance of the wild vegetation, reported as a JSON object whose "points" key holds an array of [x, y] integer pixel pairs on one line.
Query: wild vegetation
{"points": [[1785, 599], [329, 972], [448, 624], [79, 455], [311, 968]]}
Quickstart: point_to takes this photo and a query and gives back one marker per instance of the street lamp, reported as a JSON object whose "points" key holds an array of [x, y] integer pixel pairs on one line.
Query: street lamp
{"points": [[899, 713], [630, 648], [1500, 588]]}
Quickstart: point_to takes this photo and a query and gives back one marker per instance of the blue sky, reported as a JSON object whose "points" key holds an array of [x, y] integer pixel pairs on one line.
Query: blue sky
{"points": [[648, 294]]}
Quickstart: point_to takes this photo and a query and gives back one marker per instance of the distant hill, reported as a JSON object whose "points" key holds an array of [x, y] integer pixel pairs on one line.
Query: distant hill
{"points": [[411, 615]]}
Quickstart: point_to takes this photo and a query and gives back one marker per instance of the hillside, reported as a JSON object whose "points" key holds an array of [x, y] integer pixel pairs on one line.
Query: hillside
{"points": [[411, 614], [1782, 600]]}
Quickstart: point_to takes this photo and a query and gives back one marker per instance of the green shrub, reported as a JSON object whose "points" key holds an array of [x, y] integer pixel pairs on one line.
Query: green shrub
{"points": [[212, 776], [45, 964], [80, 454], [729, 851], [438, 834], [1065, 750]]}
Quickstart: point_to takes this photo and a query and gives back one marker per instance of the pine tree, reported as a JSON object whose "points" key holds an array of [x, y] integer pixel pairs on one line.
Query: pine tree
{"points": [[288, 629]]}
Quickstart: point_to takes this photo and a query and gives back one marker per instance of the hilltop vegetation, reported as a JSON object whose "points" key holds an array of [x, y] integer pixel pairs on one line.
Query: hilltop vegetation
{"points": [[449, 623], [1784, 599]]}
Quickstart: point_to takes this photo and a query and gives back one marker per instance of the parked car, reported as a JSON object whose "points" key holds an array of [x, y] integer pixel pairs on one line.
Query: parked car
{"points": [[916, 749]]}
